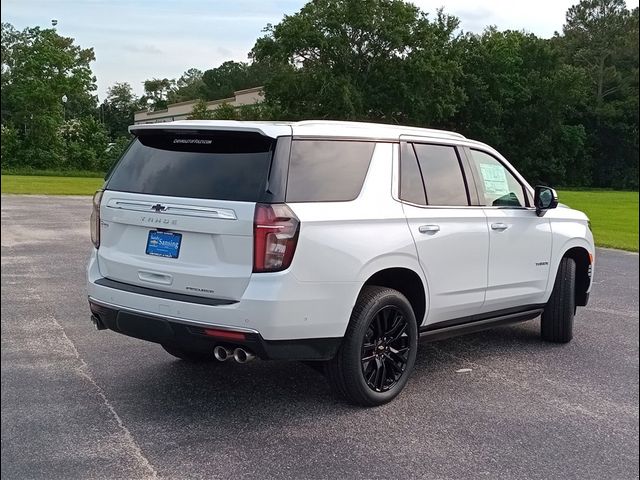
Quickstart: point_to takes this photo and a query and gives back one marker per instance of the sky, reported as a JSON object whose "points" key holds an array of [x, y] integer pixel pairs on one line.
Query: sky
{"points": [[135, 40]]}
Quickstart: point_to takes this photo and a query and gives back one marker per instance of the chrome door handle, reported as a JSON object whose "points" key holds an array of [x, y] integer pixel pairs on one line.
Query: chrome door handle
{"points": [[499, 226], [429, 228]]}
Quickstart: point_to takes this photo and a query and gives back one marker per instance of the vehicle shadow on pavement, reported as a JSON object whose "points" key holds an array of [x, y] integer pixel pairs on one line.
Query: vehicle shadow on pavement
{"points": [[227, 390]]}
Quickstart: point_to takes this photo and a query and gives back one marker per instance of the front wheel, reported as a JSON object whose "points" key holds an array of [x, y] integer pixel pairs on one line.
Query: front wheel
{"points": [[378, 352], [557, 319]]}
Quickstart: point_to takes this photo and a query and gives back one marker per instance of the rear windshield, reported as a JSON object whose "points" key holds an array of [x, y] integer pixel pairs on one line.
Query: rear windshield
{"points": [[212, 165]]}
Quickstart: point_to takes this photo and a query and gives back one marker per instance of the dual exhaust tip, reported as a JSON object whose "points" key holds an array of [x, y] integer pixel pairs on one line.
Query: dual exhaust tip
{"points": [[240, 355], [97, 323]]}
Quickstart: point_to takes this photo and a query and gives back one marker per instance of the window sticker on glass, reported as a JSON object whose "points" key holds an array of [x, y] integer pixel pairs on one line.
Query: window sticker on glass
{"points": [[495, 179]]}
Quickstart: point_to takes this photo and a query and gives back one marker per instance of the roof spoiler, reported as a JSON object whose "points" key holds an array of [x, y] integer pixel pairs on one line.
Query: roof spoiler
{"points": [[267, 130]]}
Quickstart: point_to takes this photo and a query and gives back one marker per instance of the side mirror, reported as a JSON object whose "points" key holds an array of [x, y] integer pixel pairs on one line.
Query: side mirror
{"points": [[544, 199]]}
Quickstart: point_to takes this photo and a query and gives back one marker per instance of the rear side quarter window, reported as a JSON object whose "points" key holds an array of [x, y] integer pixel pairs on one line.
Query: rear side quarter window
{"points": [[327, 170]]}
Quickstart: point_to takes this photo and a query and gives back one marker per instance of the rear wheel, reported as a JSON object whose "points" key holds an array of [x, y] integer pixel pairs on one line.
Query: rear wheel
{"points": [[378, 352], [195, 356], [557, 319]]}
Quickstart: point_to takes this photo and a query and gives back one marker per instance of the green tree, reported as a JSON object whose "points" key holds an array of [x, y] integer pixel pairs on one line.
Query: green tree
{"points": [[189, 86], [258, 112], [371, 59], [222, 81], [225, 111], [85, 143], [200, 111], [118, 109], [39, 67], [156, 93], [601, 36], [9, 145], [523, 100], [9, 39], [592, 34]]}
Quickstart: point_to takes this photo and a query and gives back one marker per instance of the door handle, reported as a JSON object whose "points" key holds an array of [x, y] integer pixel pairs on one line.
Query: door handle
{"points": [[429, 228], [499, 226]]}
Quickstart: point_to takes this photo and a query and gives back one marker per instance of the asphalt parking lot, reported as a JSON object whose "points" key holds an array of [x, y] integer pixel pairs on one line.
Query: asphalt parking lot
{"points": [[77, 403]]}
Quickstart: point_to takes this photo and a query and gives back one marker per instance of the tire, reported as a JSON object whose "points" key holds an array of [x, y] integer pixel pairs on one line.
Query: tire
{"points": [[557, 319], [378, 351], [193, 356]]}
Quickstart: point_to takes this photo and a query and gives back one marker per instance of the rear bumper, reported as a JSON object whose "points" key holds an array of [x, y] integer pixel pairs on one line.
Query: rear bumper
{"points": [[277, 305], [194, 336]]}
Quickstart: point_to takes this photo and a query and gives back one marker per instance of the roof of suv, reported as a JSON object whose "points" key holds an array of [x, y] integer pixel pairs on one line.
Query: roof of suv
{"points": [[307, 128]]}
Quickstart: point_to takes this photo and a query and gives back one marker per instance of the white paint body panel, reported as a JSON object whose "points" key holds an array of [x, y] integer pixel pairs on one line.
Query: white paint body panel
{"points": [[570, 230], [453, 259], [519, 258], [465, 268], [216, 252]]}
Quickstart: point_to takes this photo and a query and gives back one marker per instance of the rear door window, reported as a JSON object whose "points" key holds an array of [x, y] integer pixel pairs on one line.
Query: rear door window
{"points": [[327, 170], [444, 180], [209, 165]]}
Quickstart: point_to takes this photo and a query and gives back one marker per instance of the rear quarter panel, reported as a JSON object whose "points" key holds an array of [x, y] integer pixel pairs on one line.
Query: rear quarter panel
{"points": [[347, 242]]}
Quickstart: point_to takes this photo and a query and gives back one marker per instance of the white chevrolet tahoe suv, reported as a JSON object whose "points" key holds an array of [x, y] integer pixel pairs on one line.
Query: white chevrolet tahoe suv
{"points": [[334, 243]]}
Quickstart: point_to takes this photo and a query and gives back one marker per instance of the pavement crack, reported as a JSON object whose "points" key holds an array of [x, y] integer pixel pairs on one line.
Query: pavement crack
{"points": [[130, 443]]}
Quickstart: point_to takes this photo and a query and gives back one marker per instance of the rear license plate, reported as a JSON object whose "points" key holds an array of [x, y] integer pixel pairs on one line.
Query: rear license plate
{"points": [[164, 244]]}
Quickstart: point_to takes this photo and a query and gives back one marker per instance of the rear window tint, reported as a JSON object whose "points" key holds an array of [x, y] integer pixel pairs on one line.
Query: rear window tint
{"points": [[327, 170], [411, 186], [442, 175], [218, 165]]}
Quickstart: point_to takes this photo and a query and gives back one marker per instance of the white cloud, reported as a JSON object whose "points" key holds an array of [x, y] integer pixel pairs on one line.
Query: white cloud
{"points": [[139, 39], [542, 17], [146, 49]]}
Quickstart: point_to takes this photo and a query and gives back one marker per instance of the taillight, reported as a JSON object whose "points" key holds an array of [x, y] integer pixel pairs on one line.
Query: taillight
{"points": [[275, 235], [95, 219]]}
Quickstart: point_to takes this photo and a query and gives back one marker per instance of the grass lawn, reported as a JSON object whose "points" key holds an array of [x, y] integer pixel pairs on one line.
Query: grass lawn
{"points": [[52, 173], [41, 185], [613, 215]]}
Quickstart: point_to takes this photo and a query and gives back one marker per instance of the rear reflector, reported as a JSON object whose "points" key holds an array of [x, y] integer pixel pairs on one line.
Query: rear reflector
{"points": [[225, 334]]}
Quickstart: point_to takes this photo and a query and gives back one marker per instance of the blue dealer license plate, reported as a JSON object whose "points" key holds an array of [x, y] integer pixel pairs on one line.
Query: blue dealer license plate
{"points": [[164, 244]]}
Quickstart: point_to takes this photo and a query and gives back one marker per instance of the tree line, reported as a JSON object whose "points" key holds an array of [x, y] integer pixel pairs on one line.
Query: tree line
{"points": [[564, 109]]}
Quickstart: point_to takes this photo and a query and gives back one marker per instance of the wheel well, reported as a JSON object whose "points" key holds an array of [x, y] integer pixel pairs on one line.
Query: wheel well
{"points": [[583, 278], [406, 282]]}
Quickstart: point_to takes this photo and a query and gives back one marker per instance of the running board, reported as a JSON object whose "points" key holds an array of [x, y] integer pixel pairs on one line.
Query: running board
{"points": [[433, 332]]}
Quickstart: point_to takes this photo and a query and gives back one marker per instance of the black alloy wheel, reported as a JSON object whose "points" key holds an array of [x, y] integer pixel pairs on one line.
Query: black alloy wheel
{"points": [[378, 351], [385, 349]]}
